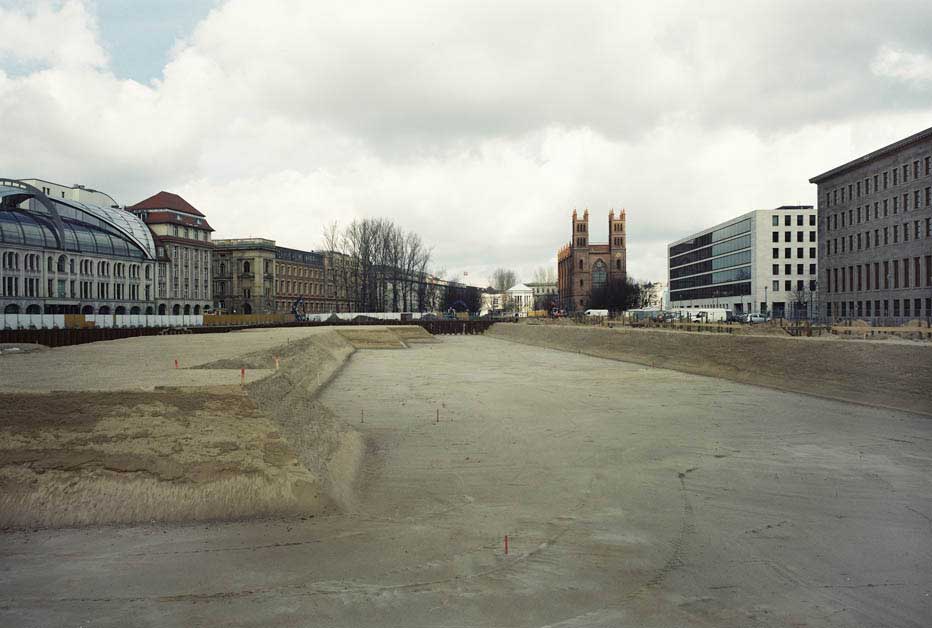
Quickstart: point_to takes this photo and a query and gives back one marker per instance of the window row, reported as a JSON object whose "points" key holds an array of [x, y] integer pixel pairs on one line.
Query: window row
{"points": [[72, 289], [788, 220], [788, 253], [712, 292], [914, 230], [788, 269], [882, 208], [298, 287], [741, 273], [788, 236], [788, 285], [190, 234], [729, 246], [10, 261], [901, 307], [899, 175], [886, 275]]}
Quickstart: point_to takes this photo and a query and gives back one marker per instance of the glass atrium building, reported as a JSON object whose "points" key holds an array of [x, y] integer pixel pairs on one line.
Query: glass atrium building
{"points": [[61, 256]]}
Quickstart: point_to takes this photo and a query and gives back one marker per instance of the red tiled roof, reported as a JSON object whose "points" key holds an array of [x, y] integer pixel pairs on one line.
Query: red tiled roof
{"points": [[158, 218], [167, 200]]}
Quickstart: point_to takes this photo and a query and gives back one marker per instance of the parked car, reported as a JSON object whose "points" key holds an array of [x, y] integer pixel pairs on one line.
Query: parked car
{"points": [[596, 312], [741, 317], [757, 318]]}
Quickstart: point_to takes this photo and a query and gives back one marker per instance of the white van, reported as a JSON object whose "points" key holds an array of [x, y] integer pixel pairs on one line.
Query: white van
{"points": [[596, 312], [712, 315]]}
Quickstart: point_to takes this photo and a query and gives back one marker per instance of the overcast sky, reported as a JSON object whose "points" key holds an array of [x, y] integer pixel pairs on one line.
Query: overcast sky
{"points": [[481, 125]]}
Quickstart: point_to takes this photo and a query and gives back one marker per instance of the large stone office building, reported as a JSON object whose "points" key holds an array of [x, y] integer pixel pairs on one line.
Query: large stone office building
{"points": [[875, 233], [764, 261], [584, 267], [59, 255], [255, 276], [183, 242]]}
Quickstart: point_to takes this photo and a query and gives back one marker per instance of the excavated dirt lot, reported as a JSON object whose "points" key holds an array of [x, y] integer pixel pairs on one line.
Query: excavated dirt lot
{"points": [[894, 374], [134, 439], [632, 496]]}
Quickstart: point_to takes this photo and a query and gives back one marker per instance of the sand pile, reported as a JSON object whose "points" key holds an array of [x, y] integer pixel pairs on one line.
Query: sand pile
{"points": [[894, 375], [187, 454], [104, 457], [372, 337], [412, 333]]}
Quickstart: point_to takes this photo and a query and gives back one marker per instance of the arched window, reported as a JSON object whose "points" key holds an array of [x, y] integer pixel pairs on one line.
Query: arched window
{"points": [[161, 309], [617, 264], [580, 265], [245, 267], [176, 309], [197, 310], [187, 310], [12, 308], [223, 268], [62, 263], [599, 275]]}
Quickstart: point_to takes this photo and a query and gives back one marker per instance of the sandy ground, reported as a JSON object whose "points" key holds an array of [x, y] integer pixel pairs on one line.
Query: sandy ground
{"points": [[143, 363], [895, 374], [98, 434], [633, 496]]}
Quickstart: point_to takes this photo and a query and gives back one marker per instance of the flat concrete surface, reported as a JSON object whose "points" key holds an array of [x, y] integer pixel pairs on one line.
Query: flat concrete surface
{"points": [[632, 496]]}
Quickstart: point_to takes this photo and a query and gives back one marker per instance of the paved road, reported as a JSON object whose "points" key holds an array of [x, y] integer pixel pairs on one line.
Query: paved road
{"points": [[632, 497]]}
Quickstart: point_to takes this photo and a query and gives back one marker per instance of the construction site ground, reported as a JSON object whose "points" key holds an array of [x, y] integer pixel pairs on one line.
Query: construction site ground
{"points": [[631, 495]]}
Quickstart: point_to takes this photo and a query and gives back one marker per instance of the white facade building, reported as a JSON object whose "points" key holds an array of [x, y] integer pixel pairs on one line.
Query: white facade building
{"points": [[762, 261], [521, 298], [75, 192]]}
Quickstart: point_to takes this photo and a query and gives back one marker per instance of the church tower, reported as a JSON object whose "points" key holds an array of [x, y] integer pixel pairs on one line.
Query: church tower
{"points": [[617, 237], [580, 230]]}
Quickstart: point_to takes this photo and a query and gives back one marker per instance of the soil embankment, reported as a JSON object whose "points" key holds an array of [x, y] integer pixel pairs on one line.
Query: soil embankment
{"points": [[189, 453], [879, 374]]}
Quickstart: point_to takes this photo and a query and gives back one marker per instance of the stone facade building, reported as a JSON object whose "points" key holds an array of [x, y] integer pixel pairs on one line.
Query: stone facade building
{"points": [[244, 276], [63, 256], [300, 278], [183, 241], [584, 266], [255, 276], [875, 233]]}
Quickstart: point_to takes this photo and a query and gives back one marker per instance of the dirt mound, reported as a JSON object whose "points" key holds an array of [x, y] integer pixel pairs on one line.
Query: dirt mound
{"points": [[412, 333], [323, 443], [372, 337], [882, 374], [92, 458], [187, 454]]}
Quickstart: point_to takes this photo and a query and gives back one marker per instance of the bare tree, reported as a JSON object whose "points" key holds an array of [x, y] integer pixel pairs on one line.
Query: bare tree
{"points": [[377, 265], [545, 274], [502, 279], [801, 299]]}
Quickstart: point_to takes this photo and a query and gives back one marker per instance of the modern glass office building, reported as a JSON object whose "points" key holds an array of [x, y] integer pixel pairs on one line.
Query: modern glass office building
{"points": [[762, 261], [63, 256]]}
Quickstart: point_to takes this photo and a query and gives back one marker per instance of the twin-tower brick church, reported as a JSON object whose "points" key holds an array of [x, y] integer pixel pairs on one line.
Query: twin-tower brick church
{"points": [[584, 267]]}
